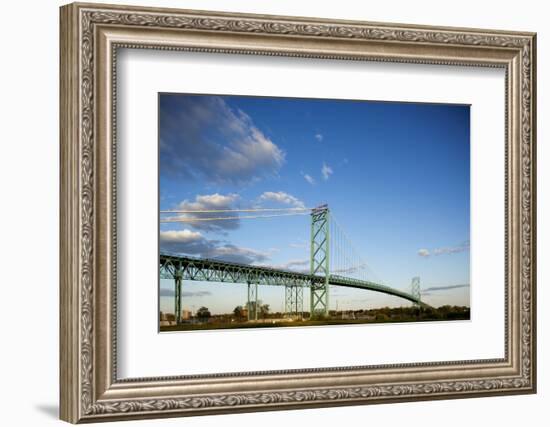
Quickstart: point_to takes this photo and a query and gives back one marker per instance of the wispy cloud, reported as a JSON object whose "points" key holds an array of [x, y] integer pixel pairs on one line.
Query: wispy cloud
{"points": [[203, 138], [302, 244], [326, 171], [444, 288], [319, 137], [194, 243], [282, 198], [338, 292], [446, 250], [298, 265], [309, 178], [164, 292], [351, 270]]}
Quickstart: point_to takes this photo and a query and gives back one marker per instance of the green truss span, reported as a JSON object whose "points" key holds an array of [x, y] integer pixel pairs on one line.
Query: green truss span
{"points": [[176, 267]]}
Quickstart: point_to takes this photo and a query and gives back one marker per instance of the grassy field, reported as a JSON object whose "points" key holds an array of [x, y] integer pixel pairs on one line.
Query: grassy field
{"points": [[274, 324]]}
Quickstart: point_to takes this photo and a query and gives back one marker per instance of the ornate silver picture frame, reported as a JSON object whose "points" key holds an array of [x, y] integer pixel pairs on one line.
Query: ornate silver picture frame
{"points": [[91, 37]]}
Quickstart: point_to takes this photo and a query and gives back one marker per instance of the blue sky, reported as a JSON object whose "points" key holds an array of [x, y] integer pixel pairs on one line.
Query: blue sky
{"points": [[396, 176]]}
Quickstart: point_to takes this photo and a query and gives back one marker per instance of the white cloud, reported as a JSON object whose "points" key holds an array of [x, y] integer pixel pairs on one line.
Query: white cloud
{"points": [[203, 138], [326, 171], [283, 198], [319, 137], [309, 178], [446, 250], [193, 243], [207, 202], [214, 201], [180, 236]]}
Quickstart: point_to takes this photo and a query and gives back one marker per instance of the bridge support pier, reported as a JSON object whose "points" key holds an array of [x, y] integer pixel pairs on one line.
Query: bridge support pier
{"points": [[319, 262], [415, 291], [177, 283], [294, 300], [252, 304]]}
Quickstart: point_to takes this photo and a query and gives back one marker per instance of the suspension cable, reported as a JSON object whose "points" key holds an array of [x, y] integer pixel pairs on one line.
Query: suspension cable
{"points": [[235, 210], [222, 218], [350, 253]]}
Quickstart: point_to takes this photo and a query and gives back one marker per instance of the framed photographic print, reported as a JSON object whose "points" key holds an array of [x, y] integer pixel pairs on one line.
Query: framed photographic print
{"points": [[265, 212], [224, 181]]}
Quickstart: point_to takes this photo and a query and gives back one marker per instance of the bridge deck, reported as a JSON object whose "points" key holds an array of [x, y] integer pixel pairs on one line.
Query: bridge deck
{"points": [[211, 270]]}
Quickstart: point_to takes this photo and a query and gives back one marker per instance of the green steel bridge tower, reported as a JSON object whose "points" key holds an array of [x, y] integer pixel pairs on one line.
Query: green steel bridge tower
{"points": [[320, 261]]}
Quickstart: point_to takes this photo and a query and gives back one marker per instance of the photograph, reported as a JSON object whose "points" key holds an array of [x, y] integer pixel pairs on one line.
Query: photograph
{"points": [[277, 212], [348, 206]]}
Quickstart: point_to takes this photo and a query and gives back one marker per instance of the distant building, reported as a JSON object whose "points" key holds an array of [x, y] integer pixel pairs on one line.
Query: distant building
{"points": [[368, 317], [186, 314], [167, 319]]}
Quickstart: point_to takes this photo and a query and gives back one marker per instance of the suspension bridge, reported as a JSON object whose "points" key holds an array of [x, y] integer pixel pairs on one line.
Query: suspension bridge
{"points": [[334, 261]]}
